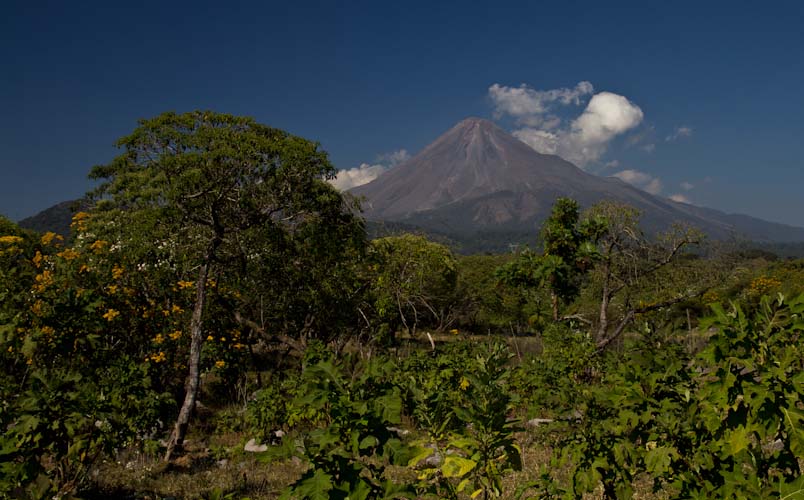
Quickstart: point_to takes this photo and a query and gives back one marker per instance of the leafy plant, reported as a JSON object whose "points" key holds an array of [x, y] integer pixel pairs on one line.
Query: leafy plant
{"points": [[727, 424], [476, 457], [348, 456]]}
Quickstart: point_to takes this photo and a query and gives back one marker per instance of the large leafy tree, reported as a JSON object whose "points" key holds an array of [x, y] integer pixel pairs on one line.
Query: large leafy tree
{"points": [[218, 193], [568, 253], [413, 282]]}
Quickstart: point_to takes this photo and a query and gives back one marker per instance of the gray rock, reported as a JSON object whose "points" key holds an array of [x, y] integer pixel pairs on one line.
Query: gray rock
{"points": [[399, 432], [253, 447]]}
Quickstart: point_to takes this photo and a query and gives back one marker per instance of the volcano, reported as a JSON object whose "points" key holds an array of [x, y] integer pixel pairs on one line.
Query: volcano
{"points": [[478, 178]]}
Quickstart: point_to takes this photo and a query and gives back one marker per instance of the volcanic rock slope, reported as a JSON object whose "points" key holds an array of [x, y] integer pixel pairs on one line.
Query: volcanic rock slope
{"points": [[478, 178]]}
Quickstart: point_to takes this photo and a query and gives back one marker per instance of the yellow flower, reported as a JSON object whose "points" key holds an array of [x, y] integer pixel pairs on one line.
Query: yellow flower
{"points": [[10, 240], [210, 338], [68, 254], [159, 338], [30, 361], [98, 245], [117, 272], [83, 269], [238, 346], [185, 284], [111, 314], [37, 307], [464, 383], [37, 259], [112, 289], [48, 330], [158, 357], [49, 236], [79, 222], [176, 309], [43, 280], [454, 331], [175, 335], [220, 364]]}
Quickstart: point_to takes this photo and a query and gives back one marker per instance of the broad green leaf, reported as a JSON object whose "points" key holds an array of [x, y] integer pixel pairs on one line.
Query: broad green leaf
{"points": [[738, 439], [315, 487], [658, 459], [455, 466]]}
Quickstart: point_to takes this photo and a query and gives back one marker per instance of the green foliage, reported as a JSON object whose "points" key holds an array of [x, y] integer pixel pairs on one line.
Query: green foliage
{"points": [[347, 457], [480, 450], [727, 424], [433, 384], [569, 252], [486, 304], [748, 417], [61, 422], [412, 282], [549, 384]]}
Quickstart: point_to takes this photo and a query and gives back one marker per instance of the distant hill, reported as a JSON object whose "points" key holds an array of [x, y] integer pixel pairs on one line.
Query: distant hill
{"points": [[477, 180], [56, 218]]}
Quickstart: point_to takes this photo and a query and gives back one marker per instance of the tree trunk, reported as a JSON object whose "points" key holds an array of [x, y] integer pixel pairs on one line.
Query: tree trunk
{"points": [[603, 320], [193, 369]]}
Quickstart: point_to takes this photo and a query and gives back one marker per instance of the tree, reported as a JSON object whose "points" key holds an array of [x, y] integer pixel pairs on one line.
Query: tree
{"points": [[413, 281], [630, 265], [215, 188], [568, 254]]}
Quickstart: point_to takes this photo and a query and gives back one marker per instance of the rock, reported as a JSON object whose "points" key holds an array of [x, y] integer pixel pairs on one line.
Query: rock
{"points": [[433, 460], [223, 463], [279, 434], [536, 422], [773, 446], [253, 447]]}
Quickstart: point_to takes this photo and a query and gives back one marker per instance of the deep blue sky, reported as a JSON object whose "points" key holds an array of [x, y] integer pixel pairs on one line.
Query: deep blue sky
{"points": [[366, 79]]}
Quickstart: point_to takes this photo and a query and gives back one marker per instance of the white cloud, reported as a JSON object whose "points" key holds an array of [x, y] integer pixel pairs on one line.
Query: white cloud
{"points": [[365, 173], [612, 164], [680, 198], [649, 148], [642, 180], [678, 133], [686, 186], [527, 104], [543, 141], [606, 116], [394, 158]]}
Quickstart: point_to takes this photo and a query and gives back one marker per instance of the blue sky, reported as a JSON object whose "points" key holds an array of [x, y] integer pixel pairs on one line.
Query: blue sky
{"points": [[718, 85]]}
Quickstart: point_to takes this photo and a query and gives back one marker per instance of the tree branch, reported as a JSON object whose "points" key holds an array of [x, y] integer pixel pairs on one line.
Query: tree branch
{"points": [[288, 341]]}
